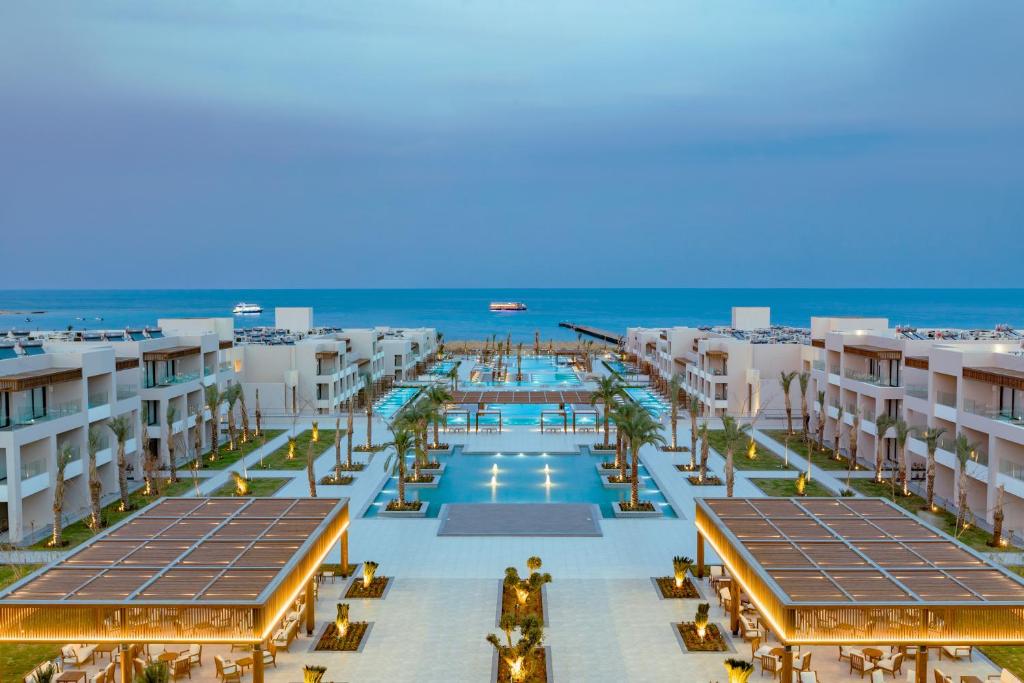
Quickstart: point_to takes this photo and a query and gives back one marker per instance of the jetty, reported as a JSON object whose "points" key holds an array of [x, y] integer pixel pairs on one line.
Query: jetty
{"points": [[603, 335]]}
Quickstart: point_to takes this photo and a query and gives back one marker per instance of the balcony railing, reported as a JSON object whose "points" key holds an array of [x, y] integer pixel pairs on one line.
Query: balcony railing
{"points": [[945, 398], [1011, 469], [833, 369], [100, 398], [32, 468], [227, 367], [917, 391], [877, 380], [817, 364], [125, 391], [170, 380], [1015, 418], [208, 370], [25, 418]]}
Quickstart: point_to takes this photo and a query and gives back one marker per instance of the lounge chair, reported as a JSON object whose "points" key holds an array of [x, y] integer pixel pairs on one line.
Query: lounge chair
{"points": [[941, 677], [31, 677], [957, 651], [845, 650], [227, 670], [195, 655], [805, 663], [891, 664], [77, 655], [859, 663], [270, 655], [808, 677], [757, 650], [770, 664]]}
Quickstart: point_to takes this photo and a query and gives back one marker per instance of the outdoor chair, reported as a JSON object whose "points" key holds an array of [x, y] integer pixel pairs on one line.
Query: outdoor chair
{"points": [[180, 667], [31, 678], [805, 665], [140, 666], [748, 629], [941, 677], [195, 655], [770, 664], [757, 650], [77, 655], [859, 663], [957, 651], [808, 677], [100, 677], [227, 670], [892, 664], [270, 655], [845, 650]]}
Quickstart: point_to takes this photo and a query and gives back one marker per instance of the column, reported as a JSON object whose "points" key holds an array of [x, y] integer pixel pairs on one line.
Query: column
{"points": [[787, 665], [921, 664], [257, 663], [700, 555], [310, 608], [126, 664], [735, 593]]}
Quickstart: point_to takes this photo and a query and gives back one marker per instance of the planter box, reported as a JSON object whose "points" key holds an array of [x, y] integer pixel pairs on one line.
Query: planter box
{"points": [[422, 512], [445, 451], [613, 484], [605, 470], [432, 485], [434, 470], [625, 514]]}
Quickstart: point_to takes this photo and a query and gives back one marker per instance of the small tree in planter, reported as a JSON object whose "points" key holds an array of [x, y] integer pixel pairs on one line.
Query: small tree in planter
{"points": [[701, 618], [515, 655], [526, 588], [369, 569], [341, 621], [680, 566], [739, 670], [241, 484], [314, 674]]}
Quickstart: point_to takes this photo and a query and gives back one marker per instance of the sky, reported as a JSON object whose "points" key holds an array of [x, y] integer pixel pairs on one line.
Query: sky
{"points": [[576, 143]]}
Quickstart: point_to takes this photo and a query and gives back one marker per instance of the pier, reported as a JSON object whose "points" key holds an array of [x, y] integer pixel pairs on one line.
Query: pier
{"points": [[603, 335]]}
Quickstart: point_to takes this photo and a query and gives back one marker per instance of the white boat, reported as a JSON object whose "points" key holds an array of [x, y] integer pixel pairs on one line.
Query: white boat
{"points": [[243, 308], [508, 306]]}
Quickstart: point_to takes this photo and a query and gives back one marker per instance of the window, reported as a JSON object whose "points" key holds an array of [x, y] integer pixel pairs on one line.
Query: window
{"points": [[37, 402], [5, 409], [398, 360], [151, 412]]}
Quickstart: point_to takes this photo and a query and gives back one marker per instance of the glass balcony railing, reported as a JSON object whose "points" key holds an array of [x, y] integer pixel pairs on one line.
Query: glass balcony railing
{"points": [[100, 398], [227, 367], [170, 380], [125, 391], [833, 369], [877, 380], [917, 391], [817, 365], [945, 398], [76, 454], [1015, 418], [32, 468], [1011, 469], [25, 418], [208, 370]]}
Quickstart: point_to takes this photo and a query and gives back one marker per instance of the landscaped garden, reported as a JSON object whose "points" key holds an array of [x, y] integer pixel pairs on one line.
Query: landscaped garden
{"points": [[825, 459], [342, 634], [678, 586], [763, 458], [258, 487], [226, 458], [18, 659], [700, 635], [292, 455], [369, 585], [786, 488], [522, 609]]}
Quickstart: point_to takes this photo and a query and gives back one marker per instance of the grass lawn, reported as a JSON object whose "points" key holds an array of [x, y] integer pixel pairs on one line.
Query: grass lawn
{"points": [[278, 460], [259, 487], [764, 460], [226, 457], [823, 459], [17, 659], [973, 537], [786, 488], [1011, 658], [79, 531]]}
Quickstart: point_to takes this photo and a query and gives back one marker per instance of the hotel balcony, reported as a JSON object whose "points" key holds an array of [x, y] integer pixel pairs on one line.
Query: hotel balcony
{"points": [[1015, 418], [27, 418], [945, 405], [869, 378], [99, 406], [172, 380], [127, 391]]}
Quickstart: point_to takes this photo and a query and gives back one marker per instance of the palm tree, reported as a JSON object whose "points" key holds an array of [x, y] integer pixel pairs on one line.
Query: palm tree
{"points": [[837, 433], [310, 473], [64, 456], [368, 397], [259, 415], [705, 451], [231, 397], [437, 395], [350, 423], [172, 415], [804, 378], [607, 389], [822, 411], [453, 375], [213, 400], [621, 414], [401, 440], [997, 520], [120, 427], [337, 449], [964, 453], [640, 430], [197, 443], [245, 414], [931, 441], [694, 410], [95, 485], [902, 432], [882, 424], [732, 433], [786, 380], [851, 439], [674, 386]]}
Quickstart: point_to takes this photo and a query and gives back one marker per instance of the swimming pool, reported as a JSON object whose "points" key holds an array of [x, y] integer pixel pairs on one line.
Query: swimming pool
{"points": [[654, 404], [522, 478], [443, 368], [538, 371], [521, 415], [393, 401], [619, 368]]}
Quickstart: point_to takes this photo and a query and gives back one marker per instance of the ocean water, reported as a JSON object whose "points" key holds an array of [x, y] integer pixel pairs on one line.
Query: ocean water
{"points": [[463, 313]]}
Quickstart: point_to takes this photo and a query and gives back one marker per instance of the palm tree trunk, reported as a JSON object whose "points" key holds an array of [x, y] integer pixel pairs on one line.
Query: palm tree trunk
{"points": [[675, 417], [369, 424], [805, 417], [245, 416], [879, 451], [903, 470], [337, 449], [95, 491], [931, 479], [401, 480], [56, 538], [728, 472], [634, 484], [214, 437], [704, 453], [606, 423], [310, 473], [171, 465], [622, 460], [350, 424], [122, 475], [789, 415], [437, 432], [693, 441]]}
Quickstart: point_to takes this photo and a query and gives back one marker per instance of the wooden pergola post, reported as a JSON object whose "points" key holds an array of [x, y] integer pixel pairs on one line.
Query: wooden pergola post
{"points": [[700, 555], [344, 550], [310, 607], [921, 664], [735, 592], [126, 663], [787, 664], [257, 662]]}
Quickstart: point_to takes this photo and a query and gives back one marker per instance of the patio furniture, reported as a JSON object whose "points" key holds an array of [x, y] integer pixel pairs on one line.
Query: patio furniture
{"points": [[891, 664], [70, 676], [873, 654], [957, 651], [970, 679], [180, 667], [100, 677], [941, 677], [757, 650], [770, 663], [1004, 676], [140, 666], [167, 656], [195, 655], [805, 661], [808, 677], [31, 677], [860, 663], [227, 670], [106, 649], [77, 655], [845, 650], [270, 655], [748, 629]]}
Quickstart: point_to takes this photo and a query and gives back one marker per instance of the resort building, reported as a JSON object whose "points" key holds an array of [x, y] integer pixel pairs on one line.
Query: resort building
{"points": [[49, 400]]}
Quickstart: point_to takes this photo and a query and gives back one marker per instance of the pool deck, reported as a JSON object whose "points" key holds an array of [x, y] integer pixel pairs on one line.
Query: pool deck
{"points": [[519, 519]]}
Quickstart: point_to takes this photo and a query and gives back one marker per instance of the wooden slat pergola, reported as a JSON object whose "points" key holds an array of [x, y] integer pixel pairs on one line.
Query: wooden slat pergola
{"points": [[182, 570], [521, 396], [846, 571]]}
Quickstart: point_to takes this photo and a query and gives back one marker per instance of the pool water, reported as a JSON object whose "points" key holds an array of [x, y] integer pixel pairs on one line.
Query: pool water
{"points": [[538, 371], [521, 415], [521, 478], [653, 403], [393, 401], [442, 368]]}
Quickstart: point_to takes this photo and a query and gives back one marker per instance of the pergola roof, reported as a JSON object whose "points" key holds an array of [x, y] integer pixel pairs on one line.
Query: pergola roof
{"points": [[842, 569], [521, 396], [223, 566]]}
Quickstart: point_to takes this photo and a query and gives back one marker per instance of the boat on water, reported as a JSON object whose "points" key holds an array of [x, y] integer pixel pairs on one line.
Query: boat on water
{"points": [[243, 308], [508, 306]]}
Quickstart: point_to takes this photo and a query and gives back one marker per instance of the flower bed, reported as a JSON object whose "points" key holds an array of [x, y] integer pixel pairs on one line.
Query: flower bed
{"points": [[710, 480], [536, 664], [601, 447], [534, 603], [667, 586], [363, 448], [611, 466], [332, 641], [407, 506], [422, 479], [438, 447], [713, 640], [641, 506], [356, 467], [375, 591], [344, 480], [677, 449]]}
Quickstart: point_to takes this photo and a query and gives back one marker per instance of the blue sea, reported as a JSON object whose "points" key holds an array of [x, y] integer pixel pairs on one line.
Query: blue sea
{"points": [[463, 313]]}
